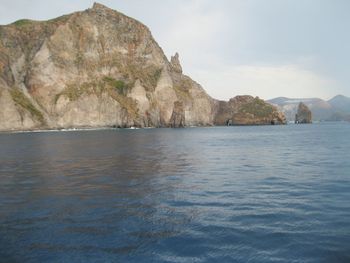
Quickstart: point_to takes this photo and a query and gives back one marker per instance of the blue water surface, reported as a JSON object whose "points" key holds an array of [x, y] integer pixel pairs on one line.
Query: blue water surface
{"points": [[222, 194]]}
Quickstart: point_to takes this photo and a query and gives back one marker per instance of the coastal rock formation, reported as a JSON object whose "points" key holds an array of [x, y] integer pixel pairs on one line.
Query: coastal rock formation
{"points": [[98, 68], [303, 115], [321, 109], [177, 119], [175, 63], [335, 109], [247, 110]]}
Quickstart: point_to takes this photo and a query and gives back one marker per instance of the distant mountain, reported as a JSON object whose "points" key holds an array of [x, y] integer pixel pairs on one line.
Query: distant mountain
{"points": [[340, 103], [336, 109], [321, 110]]}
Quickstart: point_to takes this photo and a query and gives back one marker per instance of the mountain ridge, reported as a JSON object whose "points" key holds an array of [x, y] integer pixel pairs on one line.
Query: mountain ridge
{"points": [[334, 109], [101, 68]]}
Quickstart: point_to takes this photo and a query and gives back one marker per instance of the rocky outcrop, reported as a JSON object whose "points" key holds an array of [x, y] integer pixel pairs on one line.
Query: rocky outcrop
{"points": [[175, 63], [247, 110], [98, 68], [321, 110], [303, 115]]}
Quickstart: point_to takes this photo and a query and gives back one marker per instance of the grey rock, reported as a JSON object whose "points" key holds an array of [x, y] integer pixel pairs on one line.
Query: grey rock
{"points": [[303, 115]]}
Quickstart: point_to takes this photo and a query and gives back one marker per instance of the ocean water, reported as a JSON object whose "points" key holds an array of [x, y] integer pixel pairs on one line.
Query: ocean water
{"points": [[222, 194]]}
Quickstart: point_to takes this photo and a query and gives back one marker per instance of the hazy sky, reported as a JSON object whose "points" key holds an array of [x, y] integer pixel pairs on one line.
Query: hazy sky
{"points": [[269, 48]]}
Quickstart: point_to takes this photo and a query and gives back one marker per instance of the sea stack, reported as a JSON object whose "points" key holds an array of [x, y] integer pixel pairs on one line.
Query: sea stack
{"points": [[304, 114]]}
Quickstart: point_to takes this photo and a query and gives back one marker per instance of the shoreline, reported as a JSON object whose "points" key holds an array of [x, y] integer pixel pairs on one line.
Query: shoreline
{"points": [[122, 128], [147, 128], [68, 130]]}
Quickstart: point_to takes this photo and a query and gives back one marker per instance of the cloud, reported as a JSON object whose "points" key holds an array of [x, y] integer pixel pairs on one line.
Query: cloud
{"points": [[194, 31], [209, 42], [263, 48], [264, 81]]}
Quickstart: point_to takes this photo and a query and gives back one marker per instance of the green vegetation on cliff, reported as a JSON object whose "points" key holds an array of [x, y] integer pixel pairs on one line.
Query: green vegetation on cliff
{"points": [[74, 91], [116, 89], [21, 100], [148, 76], [23, 22], [182, 93], [257, 107], [119, 85]]}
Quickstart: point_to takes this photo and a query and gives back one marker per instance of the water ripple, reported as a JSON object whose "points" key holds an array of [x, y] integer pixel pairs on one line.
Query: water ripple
{"points": [[240, 194]]}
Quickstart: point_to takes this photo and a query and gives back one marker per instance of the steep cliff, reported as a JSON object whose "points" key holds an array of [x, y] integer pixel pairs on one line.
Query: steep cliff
{"points": [[94, 68]]}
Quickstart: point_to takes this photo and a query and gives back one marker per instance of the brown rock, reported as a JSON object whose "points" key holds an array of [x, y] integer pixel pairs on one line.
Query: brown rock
{"points": [[175, 63], [99, 68], [247, 110], [177, 119]]}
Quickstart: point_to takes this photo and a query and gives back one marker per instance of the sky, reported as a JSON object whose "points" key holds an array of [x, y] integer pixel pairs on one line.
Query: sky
{"points": [[270, 48]]}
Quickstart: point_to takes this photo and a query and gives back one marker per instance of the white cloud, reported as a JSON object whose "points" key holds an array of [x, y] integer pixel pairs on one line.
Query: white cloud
{"points": [[194, 31], [235, 47], [198, 31], [264, 81]]}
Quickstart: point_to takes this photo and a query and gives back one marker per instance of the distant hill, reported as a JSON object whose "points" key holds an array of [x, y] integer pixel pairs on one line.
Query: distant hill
{"points": [[340, 103], [336, 109]]}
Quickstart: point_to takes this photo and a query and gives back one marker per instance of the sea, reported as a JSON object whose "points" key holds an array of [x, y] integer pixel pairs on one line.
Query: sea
{"points": [[214, 194]]}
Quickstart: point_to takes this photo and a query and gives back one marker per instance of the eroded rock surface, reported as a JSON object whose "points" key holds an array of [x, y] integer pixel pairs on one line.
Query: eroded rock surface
{"points": [[99, 68]]}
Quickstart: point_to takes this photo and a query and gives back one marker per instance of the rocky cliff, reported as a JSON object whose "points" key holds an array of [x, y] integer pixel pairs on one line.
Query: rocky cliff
{"points": [[303, 115], [100, 68], [247, 110]]}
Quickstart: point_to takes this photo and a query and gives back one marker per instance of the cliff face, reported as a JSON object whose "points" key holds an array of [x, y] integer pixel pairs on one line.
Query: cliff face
{"points": [[94, 68], [303, 115]]}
